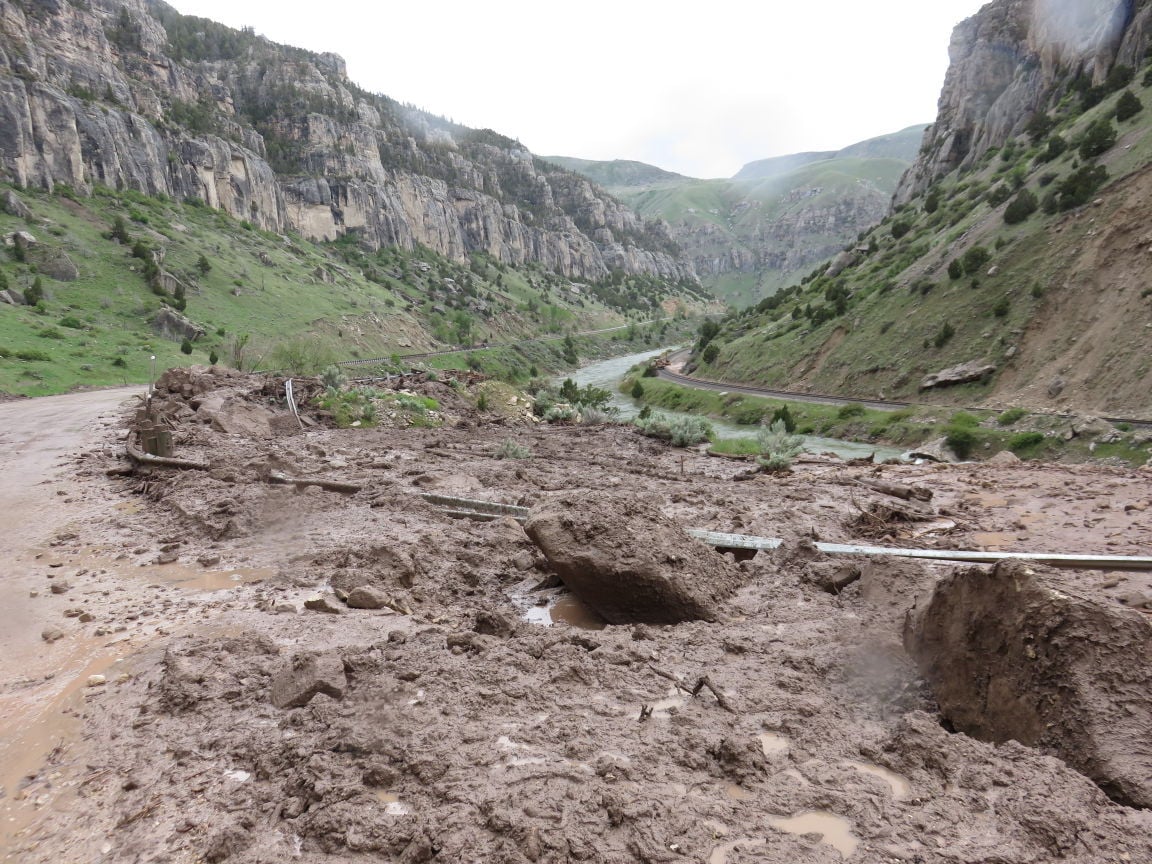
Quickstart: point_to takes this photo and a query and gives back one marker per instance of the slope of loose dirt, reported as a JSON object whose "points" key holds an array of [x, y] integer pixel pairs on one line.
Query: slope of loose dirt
{"points": [[463, 731]]}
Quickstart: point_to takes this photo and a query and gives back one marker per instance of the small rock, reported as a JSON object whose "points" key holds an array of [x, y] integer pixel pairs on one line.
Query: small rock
{"points": [[167, 557], [1136, 600], [322, 603], [367, 597], [1004, 457], [52, 634], [86, 617], [1056, 387], [208, 560], [73, 613], [61, 586], [96, 681], [285, 608]]}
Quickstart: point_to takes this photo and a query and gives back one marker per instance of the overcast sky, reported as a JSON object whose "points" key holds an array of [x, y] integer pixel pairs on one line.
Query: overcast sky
{"points": [[699, 88]]}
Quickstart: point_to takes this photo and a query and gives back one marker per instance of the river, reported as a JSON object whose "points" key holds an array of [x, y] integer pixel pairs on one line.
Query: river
{"points": [[608, 374]]}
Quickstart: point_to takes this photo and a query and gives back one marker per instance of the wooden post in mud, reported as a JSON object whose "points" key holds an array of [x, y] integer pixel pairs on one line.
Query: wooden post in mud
{"points": [[147, 433]]}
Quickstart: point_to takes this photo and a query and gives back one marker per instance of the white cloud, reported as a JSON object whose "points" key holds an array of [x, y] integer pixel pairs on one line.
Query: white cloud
{"points": [[699, 89]]}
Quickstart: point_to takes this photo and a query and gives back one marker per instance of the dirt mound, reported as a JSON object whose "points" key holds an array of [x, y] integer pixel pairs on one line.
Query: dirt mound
{"points": [[1012, 654], [629, 562]]}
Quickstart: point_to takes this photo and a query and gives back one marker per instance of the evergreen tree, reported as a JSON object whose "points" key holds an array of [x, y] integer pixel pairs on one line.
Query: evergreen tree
{"points": [[1128, 106], [1098, 139], [1022, 206], [34, 295]]}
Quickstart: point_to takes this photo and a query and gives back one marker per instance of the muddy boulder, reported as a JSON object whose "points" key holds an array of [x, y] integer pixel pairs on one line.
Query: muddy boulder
{"points": [[1014, 654], [629, 562]]}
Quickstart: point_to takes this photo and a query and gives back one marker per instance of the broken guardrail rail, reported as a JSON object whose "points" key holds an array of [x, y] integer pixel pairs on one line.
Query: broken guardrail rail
{"points": [[466, 508]]}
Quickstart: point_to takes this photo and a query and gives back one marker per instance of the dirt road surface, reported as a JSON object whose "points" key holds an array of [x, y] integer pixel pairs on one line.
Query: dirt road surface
{"points": [[39, 499], [296, 674]]}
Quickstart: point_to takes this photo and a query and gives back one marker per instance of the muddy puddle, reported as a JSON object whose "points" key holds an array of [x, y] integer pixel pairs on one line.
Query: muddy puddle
{"points": [[901, 788], [558, 608], [30, 731], [773, 744], [836, 831], [393, 806]]}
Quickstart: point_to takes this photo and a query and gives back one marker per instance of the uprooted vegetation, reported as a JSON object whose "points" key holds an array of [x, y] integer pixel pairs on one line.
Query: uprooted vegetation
{"points": [[390, 688]]}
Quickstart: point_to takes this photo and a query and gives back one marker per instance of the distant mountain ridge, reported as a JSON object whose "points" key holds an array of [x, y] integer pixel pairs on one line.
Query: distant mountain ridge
{"points": [[133, 95], [617, 172], [775, 219]]}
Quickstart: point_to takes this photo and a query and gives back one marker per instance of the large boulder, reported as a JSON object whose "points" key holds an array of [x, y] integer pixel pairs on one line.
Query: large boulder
{"points": [[1011, 654], [629, 562], [972, 371], [171, 324]]}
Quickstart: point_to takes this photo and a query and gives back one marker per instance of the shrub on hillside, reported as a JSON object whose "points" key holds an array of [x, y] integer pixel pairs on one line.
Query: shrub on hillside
{"points": [[1023, 205], [1025, 441], [1098, 139], [975, 259], [961, 439], [1128, 106], [1009, 417]]}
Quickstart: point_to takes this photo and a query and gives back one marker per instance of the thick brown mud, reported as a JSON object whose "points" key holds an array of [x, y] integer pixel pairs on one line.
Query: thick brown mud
{"points": [[259, 717]]}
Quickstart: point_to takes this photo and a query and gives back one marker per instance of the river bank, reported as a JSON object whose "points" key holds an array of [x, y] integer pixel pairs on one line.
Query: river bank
{"points": [[956, 434], [613, 375]]}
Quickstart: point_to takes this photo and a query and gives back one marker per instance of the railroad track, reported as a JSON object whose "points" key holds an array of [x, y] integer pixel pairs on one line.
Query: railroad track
{"points": [[825, 399]]}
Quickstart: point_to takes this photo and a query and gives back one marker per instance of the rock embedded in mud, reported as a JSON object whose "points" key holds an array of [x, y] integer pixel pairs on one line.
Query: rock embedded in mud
{"points": [[1011, 654], [52, 634], [629, 562], [61, 587], [323, 603], [366, 597], [305, 676]]}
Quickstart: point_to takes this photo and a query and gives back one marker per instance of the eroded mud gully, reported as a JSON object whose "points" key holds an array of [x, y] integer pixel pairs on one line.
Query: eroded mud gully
{"points": [[363, 677]]}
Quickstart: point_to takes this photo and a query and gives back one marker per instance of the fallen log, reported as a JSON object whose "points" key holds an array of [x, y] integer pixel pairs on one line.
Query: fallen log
{"points": [[340, 486], [139, 456], [896, 490]]}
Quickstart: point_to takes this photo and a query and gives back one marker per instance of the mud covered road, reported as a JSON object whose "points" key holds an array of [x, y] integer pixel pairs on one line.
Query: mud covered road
{"points": [[294, 674]]}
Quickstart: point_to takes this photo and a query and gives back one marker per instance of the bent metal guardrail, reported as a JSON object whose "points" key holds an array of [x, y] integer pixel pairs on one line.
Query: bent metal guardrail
{"points": [[487, 511]]}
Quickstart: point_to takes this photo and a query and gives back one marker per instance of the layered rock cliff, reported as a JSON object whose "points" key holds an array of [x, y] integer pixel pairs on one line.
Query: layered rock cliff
{"points": [[1015, 59], [135, 96]]}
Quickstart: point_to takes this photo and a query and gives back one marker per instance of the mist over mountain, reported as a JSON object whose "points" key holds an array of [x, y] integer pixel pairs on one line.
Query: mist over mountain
{"points": [[776, 218]]}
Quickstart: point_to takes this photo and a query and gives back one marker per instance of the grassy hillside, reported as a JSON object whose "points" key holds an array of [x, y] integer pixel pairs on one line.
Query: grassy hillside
{"points": [[262, 299], [617, 172], [1056, 299]]}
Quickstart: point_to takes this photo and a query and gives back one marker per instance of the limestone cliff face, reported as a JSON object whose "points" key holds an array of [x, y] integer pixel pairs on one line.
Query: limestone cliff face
{"points": [[134, 96], [1015, 58], [785, 243]]}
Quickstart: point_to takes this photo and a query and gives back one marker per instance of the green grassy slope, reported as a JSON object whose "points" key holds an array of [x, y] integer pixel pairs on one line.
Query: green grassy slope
{"points": [[898, 313], [265, 300]]}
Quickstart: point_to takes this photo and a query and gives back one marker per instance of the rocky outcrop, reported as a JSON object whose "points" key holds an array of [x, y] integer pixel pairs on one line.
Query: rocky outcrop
{"points": [[170, 323], [1016, 58], [94, 93], [962, 374]]}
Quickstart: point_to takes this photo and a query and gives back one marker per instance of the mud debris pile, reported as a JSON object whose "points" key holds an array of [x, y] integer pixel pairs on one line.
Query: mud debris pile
{"points": [[779, 719], [1015, 655]]}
